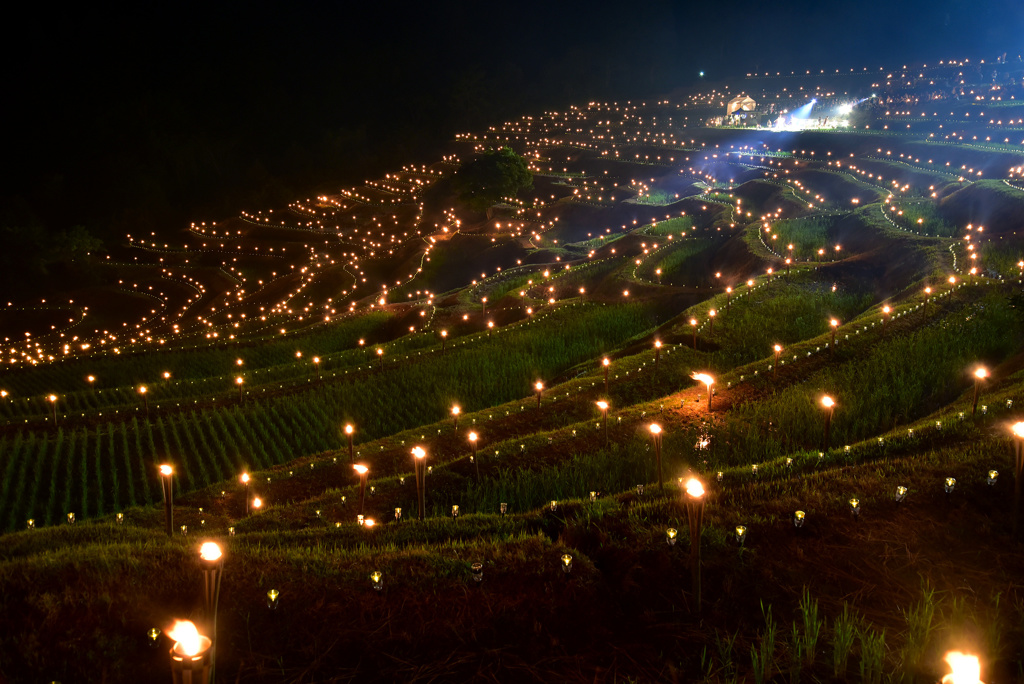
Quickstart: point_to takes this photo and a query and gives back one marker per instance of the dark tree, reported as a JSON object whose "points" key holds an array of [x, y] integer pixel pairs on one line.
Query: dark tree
{"points": [[497, 174]]}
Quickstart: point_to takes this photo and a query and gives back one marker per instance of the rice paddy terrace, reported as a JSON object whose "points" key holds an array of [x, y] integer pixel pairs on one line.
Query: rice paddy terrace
{"points": [[673, 304]]}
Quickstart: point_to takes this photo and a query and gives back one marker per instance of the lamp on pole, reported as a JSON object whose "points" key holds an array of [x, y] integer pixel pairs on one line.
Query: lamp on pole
{"points": [[829, 404], [419, 457], [167, 486], [362, 470], [656, 436], [695, 515], [708, 382], [980, 374]]}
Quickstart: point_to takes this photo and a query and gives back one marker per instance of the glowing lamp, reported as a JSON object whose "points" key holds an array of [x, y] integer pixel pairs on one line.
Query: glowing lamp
{"points": [[694, 488], [670, 536], [966, 669]]}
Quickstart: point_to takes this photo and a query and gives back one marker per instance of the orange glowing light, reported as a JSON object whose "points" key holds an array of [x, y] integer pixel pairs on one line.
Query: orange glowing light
{"points": [[694, 488], [828, 402], [210, 551], [418, 452], [188, 641], [705, 378], [966, 669], [981, 373], [361, 469], [166, 470]]}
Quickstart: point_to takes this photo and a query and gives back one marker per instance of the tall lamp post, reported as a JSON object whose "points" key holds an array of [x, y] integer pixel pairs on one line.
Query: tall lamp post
{"points": [[656, 437], [145, 399], [444, 337], [708, 382], [711, 322], [167, 485], [245, 484], [455, 416], [476, 463], [979, 374], [348, 433], [539, 387], [695, 515], [211, 558], [53, 403], [380, 355], [829, 404], [419, 456], [362, 470], [605, 362], [775, 368], [603, 406], [240, 381], [886, 310], [832, 343], [657, 355]]}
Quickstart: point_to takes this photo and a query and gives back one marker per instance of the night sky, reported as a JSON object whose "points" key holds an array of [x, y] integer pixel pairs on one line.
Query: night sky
{"points": [[154, 115]]}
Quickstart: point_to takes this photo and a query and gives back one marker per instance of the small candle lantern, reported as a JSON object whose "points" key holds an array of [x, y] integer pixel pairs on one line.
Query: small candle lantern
{"points": [[120, 518], [273, 599], [30, 524], [593, 497], [455, 511], [798, 519], [71, 518], [670, 536], [993, 475], [950, 484], [639, 490], [478, 572], [398, 514], [566, 563], [184, 530], [231, 531], [153, 637], [901, 494], [855, 508], [741, 534], [377, 577], [720, 476], [554, 506], [503, 507]]}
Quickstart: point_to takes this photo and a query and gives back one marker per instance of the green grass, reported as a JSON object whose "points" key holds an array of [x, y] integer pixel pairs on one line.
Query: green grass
{"points": [[807, 235]]}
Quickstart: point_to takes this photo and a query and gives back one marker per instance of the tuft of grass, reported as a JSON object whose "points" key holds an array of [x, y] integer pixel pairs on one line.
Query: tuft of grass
{"points": [[872, 654], [762, 656], [812, 624], [844, 630], [920, 623]]}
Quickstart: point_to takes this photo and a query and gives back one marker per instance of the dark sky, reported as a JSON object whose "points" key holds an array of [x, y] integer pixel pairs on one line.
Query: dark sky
{"points": [[157, 113]]}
